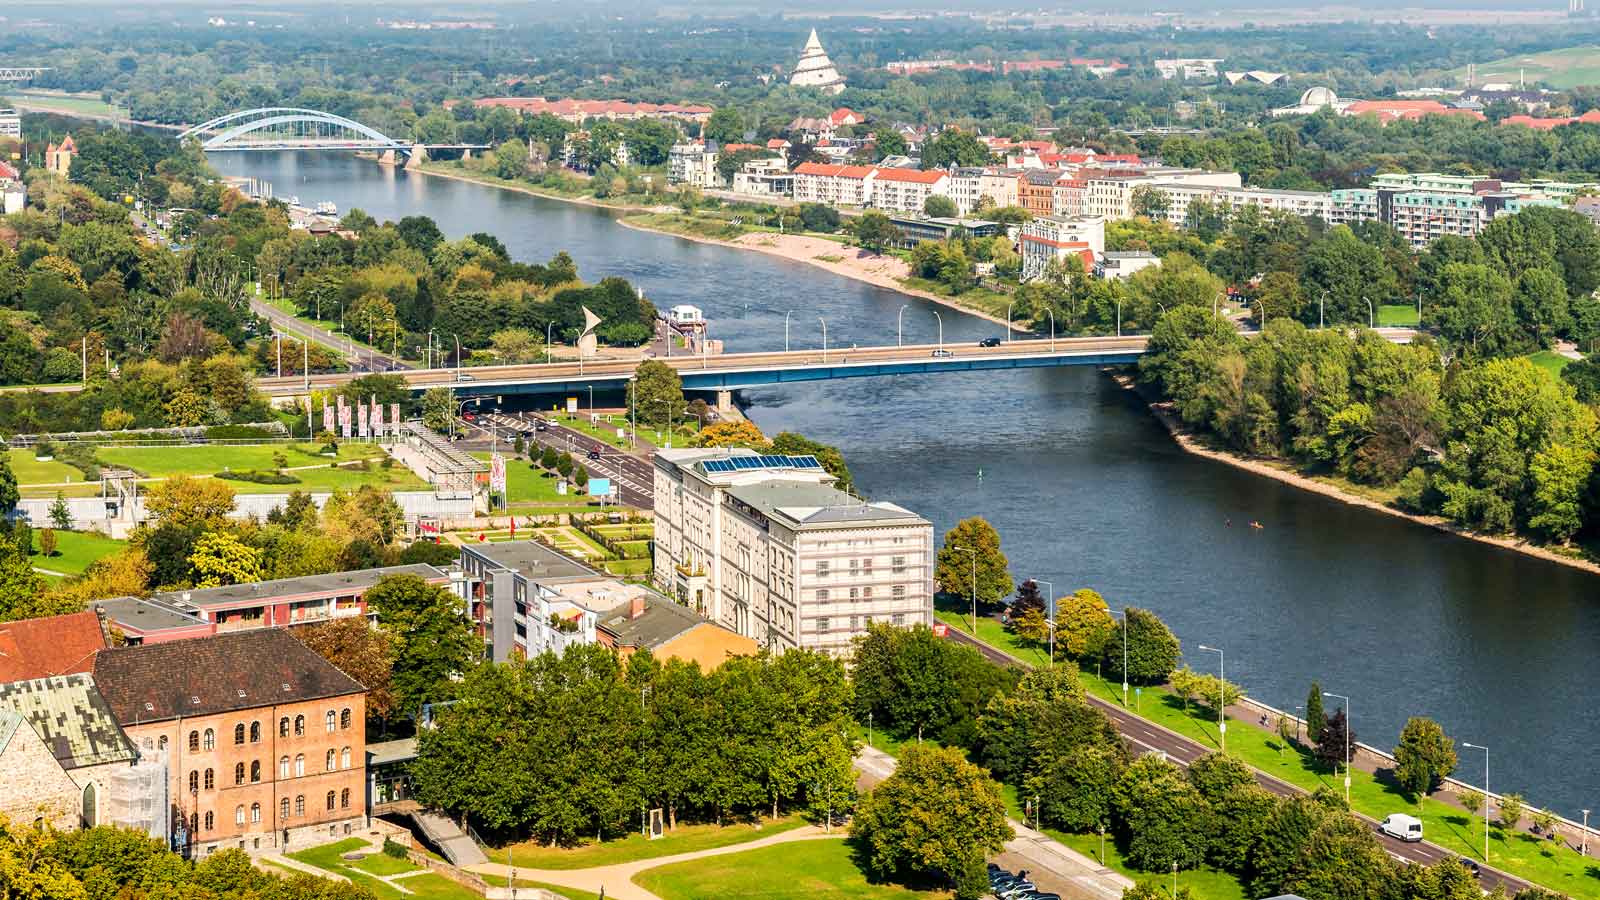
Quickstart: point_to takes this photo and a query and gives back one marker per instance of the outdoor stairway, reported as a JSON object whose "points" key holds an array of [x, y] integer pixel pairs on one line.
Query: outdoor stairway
{"points": [[445, 834]]}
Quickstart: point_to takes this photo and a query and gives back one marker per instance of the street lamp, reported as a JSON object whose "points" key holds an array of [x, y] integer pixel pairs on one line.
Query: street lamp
{"points": [[1119, 320], [1261, 311], [1124, 616], [1222, 695], [1372, 318], [974, 591], [824, 339], [550, 326], [941, 327], [458, 355], [1052, 313], [1008, 320], [1346, 742], [1052, 620], [1584, 851], [1214, 302], [1321, 303], [899, 326], [785, 330], [1486, 798]]}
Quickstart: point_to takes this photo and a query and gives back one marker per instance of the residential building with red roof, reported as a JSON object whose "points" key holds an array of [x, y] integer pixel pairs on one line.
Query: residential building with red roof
{"points": [[579, 111], [832, 184], [50, 646], [844, 115], [1592, 117], [908, 190], [1393, 110], [1061, 240], [8, 172]]}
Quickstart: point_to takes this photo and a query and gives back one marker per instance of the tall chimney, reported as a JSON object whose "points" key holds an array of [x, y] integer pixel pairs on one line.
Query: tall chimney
{"points": [[636, 606]]}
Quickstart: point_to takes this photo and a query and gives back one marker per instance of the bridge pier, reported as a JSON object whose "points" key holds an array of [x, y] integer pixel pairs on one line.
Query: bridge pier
{"points": [[724, 401], [418, 157], [387, 159]]}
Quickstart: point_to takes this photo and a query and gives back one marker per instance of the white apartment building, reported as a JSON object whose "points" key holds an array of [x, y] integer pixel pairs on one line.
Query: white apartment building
{"points": [[1111, 195], [968, 186], [10, 124], [1300, 203], [907, 190], [833, 185], [1187, 68], [765, 546], [764, 178], [1069, 196], [693, 164], [1047, 239]]}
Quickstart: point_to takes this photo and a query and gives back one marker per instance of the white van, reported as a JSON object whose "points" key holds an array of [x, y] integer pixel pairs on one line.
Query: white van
{"points": [[1402, 827]]}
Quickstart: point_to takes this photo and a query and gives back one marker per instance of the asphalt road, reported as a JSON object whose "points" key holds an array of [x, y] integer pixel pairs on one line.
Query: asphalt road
{"points": [[362, 360], [1146, 736], [633, 477]]}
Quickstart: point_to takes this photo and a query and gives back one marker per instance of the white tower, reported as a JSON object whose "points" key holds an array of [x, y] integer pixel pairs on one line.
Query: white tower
{"points": [[815, 70]]}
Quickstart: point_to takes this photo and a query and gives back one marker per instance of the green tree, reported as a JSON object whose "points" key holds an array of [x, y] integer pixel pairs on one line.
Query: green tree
{"points": [[1342, 859], [1160, 818], [47, 542], [1150, 202], [954, 147], [874, 231], [433, 641], [360, 651], [657, 394], [939, 206], [819, 217], [887, 142], [60, 513], [221, 558], [564, 465], [438, 409], [794, 444], [549, 458], [726, 126], [1151, 648], [1083, 624], [936, 816], [972, 549], [10, 496], [23, 594], [1511, 808], [1316, 719], [1424, 757]]}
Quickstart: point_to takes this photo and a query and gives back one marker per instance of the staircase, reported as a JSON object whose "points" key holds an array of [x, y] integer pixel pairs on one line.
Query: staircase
{"points": [[445, 834]]}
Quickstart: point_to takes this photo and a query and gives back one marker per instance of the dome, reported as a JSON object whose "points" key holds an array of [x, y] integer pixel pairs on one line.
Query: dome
{"points": [[1319, 96]]}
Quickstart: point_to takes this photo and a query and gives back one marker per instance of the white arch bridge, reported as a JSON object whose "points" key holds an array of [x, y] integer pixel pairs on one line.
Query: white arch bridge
{"points": [[293, 128]]}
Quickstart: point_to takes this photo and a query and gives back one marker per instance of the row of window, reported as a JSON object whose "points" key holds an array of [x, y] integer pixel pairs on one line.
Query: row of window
{"points": [[862, 566], [335, 800], [864, 593], [332, 762], [332, 721], [823, 624]]}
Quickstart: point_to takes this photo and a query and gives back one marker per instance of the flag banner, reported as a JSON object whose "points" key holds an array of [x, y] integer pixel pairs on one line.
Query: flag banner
{"points": [[361, 420], [497, 474], [377, 417], [394, 416], [327, 416]]}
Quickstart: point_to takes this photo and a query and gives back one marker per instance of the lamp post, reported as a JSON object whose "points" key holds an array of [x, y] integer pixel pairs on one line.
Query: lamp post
{"points": [[1051, 621], [1119, 319], [1008, 320], [824, 339], [633, 415], [786, 330], [1124, 616], [1346, 742], [458, 355], [1222, 696], [427, 361], [548, 328], [1261, 311], [974, 591], [1321, 304], [1372, 317], [1486, 797], [1052, 313], [1584, 850], [1214, 303], [899, 326], [669, 418], [941, 327]]}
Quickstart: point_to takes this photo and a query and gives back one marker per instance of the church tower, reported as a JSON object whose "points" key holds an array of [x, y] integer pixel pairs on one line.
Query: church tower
{"points": [[815, 70]]}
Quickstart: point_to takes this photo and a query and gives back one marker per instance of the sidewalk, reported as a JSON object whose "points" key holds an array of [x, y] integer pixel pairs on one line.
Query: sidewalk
{"points": [[617, 880]]}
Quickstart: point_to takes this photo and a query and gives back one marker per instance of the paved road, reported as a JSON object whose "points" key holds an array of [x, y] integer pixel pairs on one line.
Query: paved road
{"points": [[1146, 736], [362, 360], [633, 476]]}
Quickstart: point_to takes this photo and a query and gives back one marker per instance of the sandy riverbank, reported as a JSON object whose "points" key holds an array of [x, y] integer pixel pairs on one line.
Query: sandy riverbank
{"points": [[532, 191], [1191, 442]]}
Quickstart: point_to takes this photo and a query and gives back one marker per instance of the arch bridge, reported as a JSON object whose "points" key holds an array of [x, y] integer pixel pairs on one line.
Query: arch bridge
{"points": [[295, 128]]}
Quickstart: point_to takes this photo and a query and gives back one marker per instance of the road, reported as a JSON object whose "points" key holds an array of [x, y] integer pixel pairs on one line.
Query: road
{"points": [[1146, 736], [633, 477], [361, 359]]}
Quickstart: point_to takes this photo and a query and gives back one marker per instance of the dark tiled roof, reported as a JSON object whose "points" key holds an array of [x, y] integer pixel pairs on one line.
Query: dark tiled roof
{"points": [[71, 718], [216, 674], [55, 645], [661, 621]]}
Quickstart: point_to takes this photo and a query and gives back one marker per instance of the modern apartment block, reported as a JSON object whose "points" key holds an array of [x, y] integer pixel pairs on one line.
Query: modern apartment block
{"points": [[693, 164], [1305, 204], [766, 546], [1048, 239], [1426, 206]]}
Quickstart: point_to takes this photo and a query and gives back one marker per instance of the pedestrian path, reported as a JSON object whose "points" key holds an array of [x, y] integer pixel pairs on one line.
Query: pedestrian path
{"points": [[617, 880], [278, 859]]}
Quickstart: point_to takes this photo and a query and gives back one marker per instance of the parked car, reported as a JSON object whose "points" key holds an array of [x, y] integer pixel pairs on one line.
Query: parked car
{"points": [[989, 342], [1402, 827], [940, 351], [1472, 866], [541, 425]]}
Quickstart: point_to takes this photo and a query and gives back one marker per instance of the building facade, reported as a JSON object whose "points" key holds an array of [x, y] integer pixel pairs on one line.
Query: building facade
{"points": [[907, 190], [815, 70], [1048, 240], [765, 546], [10, 124], [266, 740], [834, 185], [693, 164], [764, 178]]}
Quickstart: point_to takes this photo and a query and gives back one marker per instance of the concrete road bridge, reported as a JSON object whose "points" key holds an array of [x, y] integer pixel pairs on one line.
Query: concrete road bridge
{"points": [[295, 128]]}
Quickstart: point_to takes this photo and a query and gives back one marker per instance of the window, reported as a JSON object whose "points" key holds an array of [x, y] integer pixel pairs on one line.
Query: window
{"points": [[822, 625], [344, 758], [299, 764], [344, 799], [238, 815], [344, 717], [855, 593], [283, 727], [866, 593], [194, 781], [866, 566], [300, 805], [238, 773], [822, 568], [330, 799], [238, 733], [855, 565], [210, 741], [299, 725], [855, 622], [898, 590], [899, 619], [332, 721], [898, 565], [211, 821], [283, 767], [283, 808], [822, 595], [255, 732], [162, 743], [211, 779], [330, 761], [255, 771], [194, 742], [255, 812]]}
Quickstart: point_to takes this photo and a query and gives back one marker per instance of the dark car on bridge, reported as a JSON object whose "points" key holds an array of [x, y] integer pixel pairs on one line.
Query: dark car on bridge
{"points": [[989, 342]]}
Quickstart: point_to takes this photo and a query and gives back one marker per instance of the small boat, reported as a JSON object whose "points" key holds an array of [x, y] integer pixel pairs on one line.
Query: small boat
{"points": [[326, 208], [1256, 525]]}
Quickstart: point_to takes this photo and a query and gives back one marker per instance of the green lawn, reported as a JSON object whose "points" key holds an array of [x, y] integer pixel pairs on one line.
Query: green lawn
{"points": [[1565, 68], [813, 870], [427, 886], [605, 431], [569, 893], [683, 839], [32, 471], [1551, 865], [1550, 361], [209, 459], [79, 104], [75, 551], [626, 568], [981, 299], [1397, 315]]}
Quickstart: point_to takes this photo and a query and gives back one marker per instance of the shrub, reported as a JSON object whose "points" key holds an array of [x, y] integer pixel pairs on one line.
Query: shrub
{"points": [[390, 848], [44, 450], [256, 477]]}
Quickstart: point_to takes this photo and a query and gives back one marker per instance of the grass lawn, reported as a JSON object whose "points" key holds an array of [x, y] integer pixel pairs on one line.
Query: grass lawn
{"points": [[605, 431], [32, 471], [427, 886], [626, 568], [1542, 862], [569, 893], [981, 299], [815, 870], [80, 104], [1550, 361], [1397, 315], [1565, 68], [209, 459], [683, 839], [75, 551]]}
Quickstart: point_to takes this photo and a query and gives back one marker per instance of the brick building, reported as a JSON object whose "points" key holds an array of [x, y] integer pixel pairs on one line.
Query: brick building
{"points": [[265, 738]]}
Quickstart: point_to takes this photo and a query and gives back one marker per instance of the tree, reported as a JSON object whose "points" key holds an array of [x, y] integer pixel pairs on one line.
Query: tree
{"points": [[914, 683], [360, 651], [183, 501], [887, 142], [1150, 202], [1161, 819], [1334, 742], [1424, 757], [47, 542], [725, 126], [1151, 648], [731, 433], [972, 548], [564, 464], [433, 642], [23, 594], [874, 231], [657, 394], [793, 444], [936, 816], [1470, 800], [60, 513], [819, 217], [549, 458], [1316, 719], [10, 496], [1154, 889], [1342, 859], [1511, 807], [580, 477], [954, 147], [1083, 624], [1028, 598], [438, 409], [939, 206], [221, 558]]}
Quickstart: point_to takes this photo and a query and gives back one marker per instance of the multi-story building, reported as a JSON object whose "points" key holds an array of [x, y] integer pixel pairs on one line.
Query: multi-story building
{"points": [[834, 185], [1427, 206], [693, 164], [1057, 239], [766, 546], [1306, 204], [58, 157], [1109, 193], [1036, 191], [10, 124], [1187, 68], [266, 739], [907, 190], [916, 230], [1119, 264], [969, 186], [764, 178], [1069, 195]]}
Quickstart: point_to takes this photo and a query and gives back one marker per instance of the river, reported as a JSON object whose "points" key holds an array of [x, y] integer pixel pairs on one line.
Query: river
{"points": [[1087, 490]]}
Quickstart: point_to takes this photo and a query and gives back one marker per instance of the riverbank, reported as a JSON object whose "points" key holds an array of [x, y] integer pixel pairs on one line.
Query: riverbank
{"points": [[1198, 444], [535, 191]]}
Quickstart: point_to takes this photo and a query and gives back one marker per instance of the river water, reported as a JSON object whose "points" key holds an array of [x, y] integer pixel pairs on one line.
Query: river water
{"points": [[1087, 490]]}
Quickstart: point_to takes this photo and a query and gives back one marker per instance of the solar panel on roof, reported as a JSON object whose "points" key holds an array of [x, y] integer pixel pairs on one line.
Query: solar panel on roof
{"points": [[718, 465], [773, 462], [805, 462]]}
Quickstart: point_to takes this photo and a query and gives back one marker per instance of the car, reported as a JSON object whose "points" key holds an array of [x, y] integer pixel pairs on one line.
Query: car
{"points": [[940, 352], [1471, 865], [1016, 889], [594, 454], [1402, 827], [462, 376], [541, 425], [1043, 895], [470, 417], [989, 342]]}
